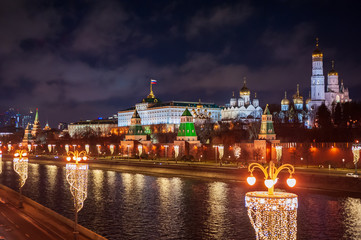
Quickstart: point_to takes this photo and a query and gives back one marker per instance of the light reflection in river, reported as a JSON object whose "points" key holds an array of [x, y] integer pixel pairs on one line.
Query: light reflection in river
{"points": [[137, 206], [352, 215]]}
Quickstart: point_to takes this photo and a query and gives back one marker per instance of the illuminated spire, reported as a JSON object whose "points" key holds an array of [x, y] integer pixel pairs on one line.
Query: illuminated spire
{"points": [[316, 42], [36, 116], [255, 95], [285, 94], [333, 64], [298, 90], [151, 94]]}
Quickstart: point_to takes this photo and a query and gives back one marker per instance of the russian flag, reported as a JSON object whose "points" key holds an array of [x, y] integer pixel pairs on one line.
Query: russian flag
{"points": [[152, 81]]}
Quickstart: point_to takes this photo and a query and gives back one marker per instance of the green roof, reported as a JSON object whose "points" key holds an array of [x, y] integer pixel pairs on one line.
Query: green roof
{"points": [[266, 111], [187, 113], [136, 130]]}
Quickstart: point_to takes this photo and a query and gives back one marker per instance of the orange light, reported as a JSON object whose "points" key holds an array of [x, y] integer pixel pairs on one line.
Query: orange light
{"points": [[291, 182], [251, 180]]}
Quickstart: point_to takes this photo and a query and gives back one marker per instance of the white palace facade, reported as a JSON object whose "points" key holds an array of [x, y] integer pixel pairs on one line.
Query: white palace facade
{"points": [[152, 111]]}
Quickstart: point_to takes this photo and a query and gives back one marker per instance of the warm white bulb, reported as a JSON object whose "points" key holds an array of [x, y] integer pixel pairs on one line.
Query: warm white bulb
{"points": [[291, 182], [251, 180], [68, 158], [269, 183]]}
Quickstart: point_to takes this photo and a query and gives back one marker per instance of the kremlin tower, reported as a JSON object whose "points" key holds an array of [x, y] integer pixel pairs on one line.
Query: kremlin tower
{"points": [[36, 126]]}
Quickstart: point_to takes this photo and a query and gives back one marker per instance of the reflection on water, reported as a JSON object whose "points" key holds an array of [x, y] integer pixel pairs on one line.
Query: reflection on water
{"points": [[352, 216], [137, 206]]}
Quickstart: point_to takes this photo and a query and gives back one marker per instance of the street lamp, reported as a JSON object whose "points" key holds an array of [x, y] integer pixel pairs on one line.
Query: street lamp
{"points": [[99, 147], [343, 162], [356, 155], [9, 147], [279, 154], [111, 148], [176, 152], [140, 150], [74, 146], [273, 215], [128, 147], [77, 177], [49, 148], [165, 151], [53, 148], [215, 152], [67, 148], [87, 148], [21, 168]]}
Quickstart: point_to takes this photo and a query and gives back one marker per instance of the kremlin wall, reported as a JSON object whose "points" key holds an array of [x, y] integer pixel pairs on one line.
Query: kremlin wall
{"points": [[136, 126]]}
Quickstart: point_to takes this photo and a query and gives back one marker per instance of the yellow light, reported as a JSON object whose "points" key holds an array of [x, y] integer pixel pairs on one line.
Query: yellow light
{"points": [[269, 183], [291, 182], [251, 180]]}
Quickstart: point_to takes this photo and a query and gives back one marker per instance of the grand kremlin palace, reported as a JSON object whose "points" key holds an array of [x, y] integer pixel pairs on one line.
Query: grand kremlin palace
{"points": [[152, 112]]}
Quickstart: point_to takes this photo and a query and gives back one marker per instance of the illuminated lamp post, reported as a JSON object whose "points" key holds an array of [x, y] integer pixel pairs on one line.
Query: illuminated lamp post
{"points": [[1, 161], [343, 162], [21, 168], [111, 148], [356, 155], [279, 154], [273, 215], [9, 147], [215, 152], [221, 152], [29, 147], [74, 146], [87, 148], [77, 177], [176, 152], [67, 148], [49, 148], [53, 148], [99, 147], [128, 147], [165, 151], [140, 150]]}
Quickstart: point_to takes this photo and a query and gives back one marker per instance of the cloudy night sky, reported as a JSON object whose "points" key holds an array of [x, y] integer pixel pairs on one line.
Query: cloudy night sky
{"points": [[78, 60]]}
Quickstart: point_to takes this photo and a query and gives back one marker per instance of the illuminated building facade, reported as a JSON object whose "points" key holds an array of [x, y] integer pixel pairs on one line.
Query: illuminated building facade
{"points": [[152, 111], [101, 127], [294, 111], [334, 92], [242, 108]]}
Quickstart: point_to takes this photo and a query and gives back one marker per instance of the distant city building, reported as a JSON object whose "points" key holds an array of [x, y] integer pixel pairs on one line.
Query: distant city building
{"points": [[242, 108], [136, 131], [100, 127], [27, 119], [186, 131], [152, 111], [62, 126]]}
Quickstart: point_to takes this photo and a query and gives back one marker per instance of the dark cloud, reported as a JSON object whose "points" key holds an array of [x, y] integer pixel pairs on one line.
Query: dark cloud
{"points": [[83, 59]]}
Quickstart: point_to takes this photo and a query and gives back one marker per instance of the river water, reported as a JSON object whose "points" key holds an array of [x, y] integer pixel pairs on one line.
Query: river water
{"points": [[136, 206]]}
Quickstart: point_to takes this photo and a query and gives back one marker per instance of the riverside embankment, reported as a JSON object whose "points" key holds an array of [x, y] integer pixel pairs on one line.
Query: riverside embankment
{"points": [[307, 178]]}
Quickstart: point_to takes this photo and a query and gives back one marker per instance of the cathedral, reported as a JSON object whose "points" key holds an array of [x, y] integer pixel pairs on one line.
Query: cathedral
{"points": [[242, 108], [334, 92]]}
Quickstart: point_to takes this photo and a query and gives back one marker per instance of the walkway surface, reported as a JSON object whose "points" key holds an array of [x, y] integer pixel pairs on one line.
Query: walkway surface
{"points": [[25, 223]]}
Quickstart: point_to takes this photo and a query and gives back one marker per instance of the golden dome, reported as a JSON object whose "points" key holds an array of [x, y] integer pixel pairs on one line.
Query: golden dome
{"points": [[317, 52], [309, 98], [333, 71], [244, 91], [285, 101], [297, 99]]}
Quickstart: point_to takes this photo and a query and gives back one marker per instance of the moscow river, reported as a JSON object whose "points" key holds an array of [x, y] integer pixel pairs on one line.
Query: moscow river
{"points": [[136, 206]]}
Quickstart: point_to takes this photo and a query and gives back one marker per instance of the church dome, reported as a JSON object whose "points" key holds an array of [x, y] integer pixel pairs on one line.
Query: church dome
{"points": [[333, 71], [308, 100], [285, 101], [317, 52], [244, 90], [297, 99]]}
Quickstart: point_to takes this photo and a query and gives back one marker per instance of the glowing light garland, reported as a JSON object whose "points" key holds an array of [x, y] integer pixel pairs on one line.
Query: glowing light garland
{"points": [[273, 215], [356, 155], [176, 151], [279, 153], [111, 147], [77, 177], [21, 168]]}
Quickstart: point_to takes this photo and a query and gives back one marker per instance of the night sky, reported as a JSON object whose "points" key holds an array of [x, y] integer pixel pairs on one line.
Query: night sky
{"points": [[78, 60]]}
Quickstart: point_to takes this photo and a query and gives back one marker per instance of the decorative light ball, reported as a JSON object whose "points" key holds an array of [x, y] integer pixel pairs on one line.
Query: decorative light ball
{"points": [[84, 158], [269, 183], [68, 158], [275, 181], [251, 180], [16, 154], [24, 154], [291, 182]]}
